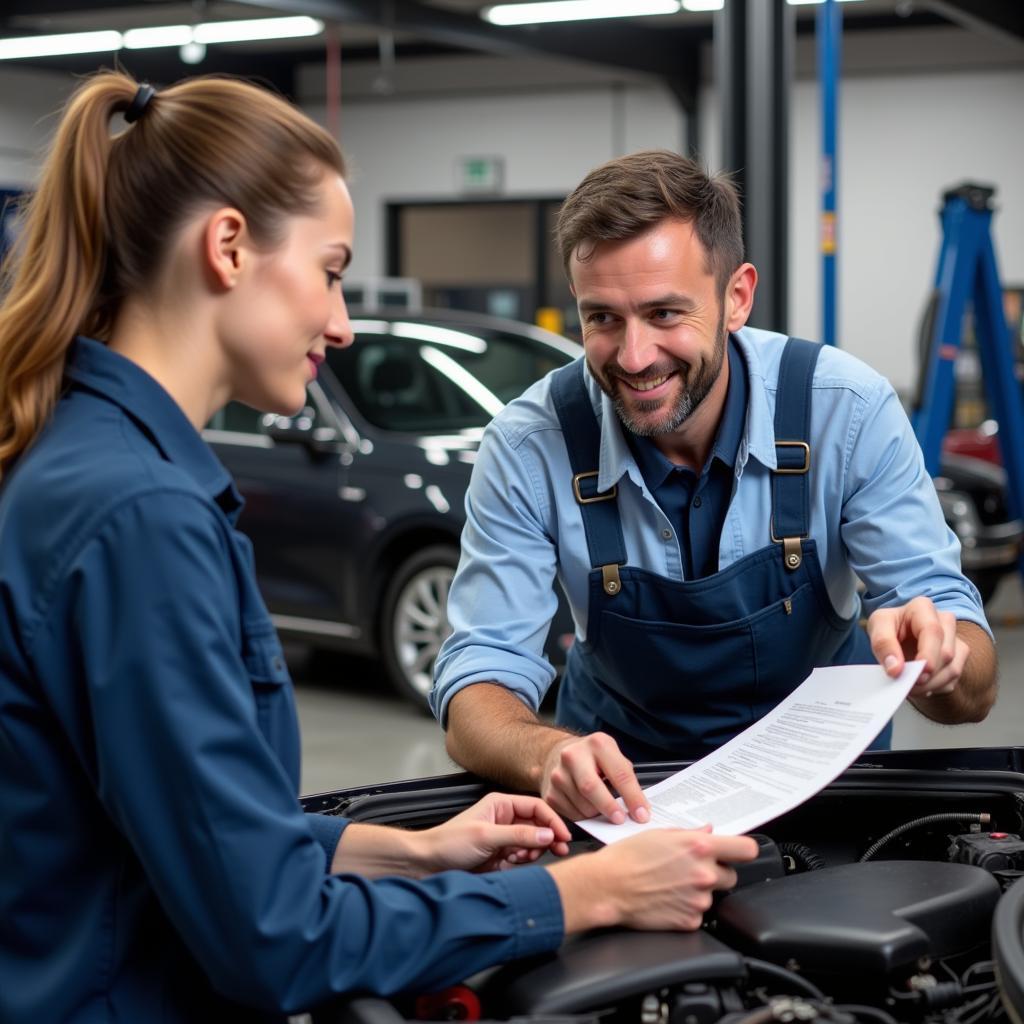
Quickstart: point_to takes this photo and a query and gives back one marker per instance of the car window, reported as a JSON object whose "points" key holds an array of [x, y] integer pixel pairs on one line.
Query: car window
{"points": [[236, 418], [441, 379]]}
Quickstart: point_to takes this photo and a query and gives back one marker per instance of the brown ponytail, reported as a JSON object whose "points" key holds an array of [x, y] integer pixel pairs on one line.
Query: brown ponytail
{"points": [[107, 206]]}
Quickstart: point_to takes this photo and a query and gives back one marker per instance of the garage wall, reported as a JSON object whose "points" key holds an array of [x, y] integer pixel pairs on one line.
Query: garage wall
{"points": [[904, 137], [28, 100], [408, 149]]}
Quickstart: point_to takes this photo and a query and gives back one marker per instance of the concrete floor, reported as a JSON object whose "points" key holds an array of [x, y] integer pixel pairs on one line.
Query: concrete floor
{"points": [[355, 731]]}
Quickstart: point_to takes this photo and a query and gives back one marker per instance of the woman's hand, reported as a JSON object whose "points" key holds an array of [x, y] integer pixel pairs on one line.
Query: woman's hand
{"points": [[660, 879], [500, 831]]}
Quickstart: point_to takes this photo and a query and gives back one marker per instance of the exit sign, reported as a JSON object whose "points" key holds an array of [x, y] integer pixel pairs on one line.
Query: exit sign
{"points": [[481, 173]]}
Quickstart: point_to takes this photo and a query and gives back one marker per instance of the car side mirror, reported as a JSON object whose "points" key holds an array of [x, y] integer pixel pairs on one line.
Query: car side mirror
{"points": [[301, 429]]}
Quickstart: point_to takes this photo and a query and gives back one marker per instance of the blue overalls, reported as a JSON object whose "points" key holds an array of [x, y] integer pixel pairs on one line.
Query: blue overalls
{"points": [[674, 669]]}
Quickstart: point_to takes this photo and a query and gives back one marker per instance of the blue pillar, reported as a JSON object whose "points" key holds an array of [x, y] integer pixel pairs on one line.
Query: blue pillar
{"points": [[829, 32]]}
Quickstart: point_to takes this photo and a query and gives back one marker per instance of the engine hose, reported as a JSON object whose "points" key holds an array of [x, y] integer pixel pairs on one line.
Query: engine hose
{"points": [[803, 857], [788, 977], [931, 819]]}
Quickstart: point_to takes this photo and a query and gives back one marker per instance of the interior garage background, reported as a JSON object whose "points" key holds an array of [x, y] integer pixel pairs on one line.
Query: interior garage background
{"points": [[921, 109]]}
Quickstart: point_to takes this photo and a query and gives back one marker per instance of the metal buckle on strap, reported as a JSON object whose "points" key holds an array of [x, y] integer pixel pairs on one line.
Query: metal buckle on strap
{"points": [[792, 552], [607, 496], [807, 457], [612, 582]]}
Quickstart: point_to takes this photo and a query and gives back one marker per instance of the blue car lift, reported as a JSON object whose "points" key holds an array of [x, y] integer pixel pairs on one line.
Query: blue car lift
{"points": [[967, 273]]}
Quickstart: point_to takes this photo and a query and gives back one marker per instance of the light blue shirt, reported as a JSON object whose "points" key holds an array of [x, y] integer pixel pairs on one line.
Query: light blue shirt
{"points": [[874, 515]]}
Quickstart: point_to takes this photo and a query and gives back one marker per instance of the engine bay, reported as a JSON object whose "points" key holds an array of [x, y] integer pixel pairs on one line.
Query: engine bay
{"points": [[889, 898]]}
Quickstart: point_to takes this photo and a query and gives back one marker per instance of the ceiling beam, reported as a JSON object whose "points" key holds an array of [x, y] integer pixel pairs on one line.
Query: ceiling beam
{"points": [[991, 17], [622, 45]]}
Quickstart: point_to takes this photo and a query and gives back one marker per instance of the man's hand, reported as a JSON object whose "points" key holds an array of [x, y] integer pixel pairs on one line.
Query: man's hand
{"points": [[579, 773], [493, 733], [958, 683], [918, 631], [499, 831], [659, 879]]}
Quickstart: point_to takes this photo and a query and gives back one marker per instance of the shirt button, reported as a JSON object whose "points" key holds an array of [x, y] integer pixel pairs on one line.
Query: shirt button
{"points": [[697, 502], [667, 534], [530, 923], [278, 665]]}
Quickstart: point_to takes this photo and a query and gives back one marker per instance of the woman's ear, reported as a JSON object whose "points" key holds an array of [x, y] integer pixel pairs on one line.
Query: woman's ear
{"points": [[225, 246]]}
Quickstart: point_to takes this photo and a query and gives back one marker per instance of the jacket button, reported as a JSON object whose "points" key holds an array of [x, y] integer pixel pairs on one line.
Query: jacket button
{"points": [[667, 534], [278, 664]]}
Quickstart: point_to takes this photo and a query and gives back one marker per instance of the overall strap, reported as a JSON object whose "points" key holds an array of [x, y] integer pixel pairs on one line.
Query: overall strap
{"points": [[582, 433], [791, 512]]}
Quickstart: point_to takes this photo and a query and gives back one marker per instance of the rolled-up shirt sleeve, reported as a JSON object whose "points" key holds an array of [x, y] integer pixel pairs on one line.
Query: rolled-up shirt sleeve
{"points": [[183, 767], [502, 599], [892, 525]]}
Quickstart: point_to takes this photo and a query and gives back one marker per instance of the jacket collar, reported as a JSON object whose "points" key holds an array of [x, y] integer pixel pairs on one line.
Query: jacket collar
{"points": [[94, 367]]}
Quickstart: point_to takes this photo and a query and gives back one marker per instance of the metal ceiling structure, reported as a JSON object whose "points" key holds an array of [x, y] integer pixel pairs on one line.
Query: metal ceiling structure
{"points": [[753, 48], [666, 47]]}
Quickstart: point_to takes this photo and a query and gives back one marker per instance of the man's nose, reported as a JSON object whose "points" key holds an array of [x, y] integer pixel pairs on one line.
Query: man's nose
{"points": [[637, 350]]}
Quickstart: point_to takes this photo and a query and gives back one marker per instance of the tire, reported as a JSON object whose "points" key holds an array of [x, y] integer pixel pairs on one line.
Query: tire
{"points": [[986, 580], [414, 620]]}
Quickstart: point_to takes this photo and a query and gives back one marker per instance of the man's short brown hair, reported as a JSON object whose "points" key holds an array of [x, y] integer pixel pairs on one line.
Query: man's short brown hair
{"points": [[624, 197]]}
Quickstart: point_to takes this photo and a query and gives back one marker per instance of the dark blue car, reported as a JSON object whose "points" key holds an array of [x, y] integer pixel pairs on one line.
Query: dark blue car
{"points": [[355, 505]]}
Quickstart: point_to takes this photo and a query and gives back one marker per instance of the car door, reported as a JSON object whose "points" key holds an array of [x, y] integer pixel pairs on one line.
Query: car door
{"points": [[291, 472]]}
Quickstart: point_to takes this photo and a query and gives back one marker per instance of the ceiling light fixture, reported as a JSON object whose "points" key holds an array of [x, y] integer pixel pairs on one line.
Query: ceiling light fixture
{"points": [[163, 35], [52, 46], [703, 5], [543, 11]]}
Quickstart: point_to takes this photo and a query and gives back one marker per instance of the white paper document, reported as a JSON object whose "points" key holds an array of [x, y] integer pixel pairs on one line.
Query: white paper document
{"points": [[798, 748]]}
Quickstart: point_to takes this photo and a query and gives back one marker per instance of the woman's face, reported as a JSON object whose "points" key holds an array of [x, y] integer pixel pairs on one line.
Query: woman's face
{"points": [[287, 306]]}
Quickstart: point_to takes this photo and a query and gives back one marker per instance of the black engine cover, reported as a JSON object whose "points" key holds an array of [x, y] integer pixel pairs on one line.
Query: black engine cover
{"points": [[862, 920]]}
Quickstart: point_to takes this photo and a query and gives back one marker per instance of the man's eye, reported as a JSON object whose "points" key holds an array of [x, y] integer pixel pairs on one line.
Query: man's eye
{"points": [[333, 278], [664, 314], [598, 318]]}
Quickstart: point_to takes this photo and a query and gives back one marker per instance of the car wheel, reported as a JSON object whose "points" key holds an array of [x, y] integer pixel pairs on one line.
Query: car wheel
{"points": [[986, 580], [414, 621]]}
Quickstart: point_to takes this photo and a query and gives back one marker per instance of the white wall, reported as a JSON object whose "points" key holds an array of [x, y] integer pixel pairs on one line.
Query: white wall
{"points": [[28, 102], [408, 149], [903, 140]]}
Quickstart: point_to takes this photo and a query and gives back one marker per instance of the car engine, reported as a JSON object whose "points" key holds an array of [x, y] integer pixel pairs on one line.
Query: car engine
{"points": [[889, 898]]}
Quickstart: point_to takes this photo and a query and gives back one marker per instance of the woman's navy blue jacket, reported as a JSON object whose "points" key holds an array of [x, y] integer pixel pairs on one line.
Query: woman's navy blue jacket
{"points": [[155, 864]]}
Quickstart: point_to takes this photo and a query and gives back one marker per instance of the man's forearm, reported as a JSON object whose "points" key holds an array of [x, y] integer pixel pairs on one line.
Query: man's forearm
{"points": [[975, 694], [493, 733]]}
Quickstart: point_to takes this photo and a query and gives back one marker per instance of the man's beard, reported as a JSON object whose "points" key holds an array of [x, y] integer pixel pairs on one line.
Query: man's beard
{"points": [[635, 415]]}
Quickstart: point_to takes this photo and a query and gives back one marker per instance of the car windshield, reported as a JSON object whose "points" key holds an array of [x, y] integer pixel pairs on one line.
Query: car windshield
{"points": [[427, 377]]}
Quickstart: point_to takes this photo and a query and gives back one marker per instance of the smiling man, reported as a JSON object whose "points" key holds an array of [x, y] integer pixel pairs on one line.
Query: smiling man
{"points": [[708, 496]]}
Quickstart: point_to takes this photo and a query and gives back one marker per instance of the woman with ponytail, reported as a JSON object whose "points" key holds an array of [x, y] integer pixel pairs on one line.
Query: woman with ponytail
{"points": [[183, 249]]}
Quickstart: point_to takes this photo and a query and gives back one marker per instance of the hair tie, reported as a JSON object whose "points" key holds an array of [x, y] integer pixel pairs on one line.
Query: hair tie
{"points": [[137, 108]]}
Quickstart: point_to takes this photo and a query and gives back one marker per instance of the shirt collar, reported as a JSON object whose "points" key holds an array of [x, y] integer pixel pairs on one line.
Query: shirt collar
{"points": [[93, 366], [642, 458]]}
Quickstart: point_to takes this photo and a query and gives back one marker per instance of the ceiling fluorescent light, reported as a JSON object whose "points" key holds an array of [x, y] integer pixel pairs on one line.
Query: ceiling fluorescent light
{"points": [[544, 11], [55, 46], [703, 5], [258, 28], [163, 35], [808, 3]]}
